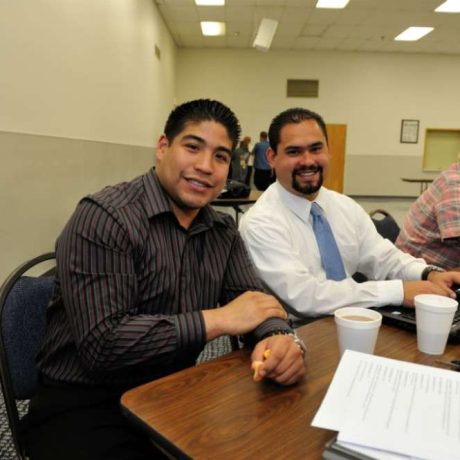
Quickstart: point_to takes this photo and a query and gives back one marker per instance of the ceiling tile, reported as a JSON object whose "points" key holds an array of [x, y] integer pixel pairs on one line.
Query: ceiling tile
{"points": [[297, 15], [367, 25], [211, 14]]}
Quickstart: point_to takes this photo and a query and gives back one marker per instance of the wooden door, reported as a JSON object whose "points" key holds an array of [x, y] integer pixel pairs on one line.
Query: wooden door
{"points": [[337, 135]]}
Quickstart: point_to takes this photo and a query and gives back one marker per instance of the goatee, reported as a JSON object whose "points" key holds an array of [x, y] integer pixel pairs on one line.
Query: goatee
{"points": [[311, 187]]}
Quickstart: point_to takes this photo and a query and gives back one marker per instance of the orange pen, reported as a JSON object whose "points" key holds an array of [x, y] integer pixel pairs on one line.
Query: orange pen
{"points": [[256, 366]]}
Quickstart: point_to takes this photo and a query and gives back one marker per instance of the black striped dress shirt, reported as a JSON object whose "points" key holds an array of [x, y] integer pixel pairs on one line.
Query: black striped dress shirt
{"points": [[131, 284]]}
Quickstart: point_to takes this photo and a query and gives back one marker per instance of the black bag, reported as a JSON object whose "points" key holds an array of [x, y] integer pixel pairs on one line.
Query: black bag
{"points": [[235, 189]]}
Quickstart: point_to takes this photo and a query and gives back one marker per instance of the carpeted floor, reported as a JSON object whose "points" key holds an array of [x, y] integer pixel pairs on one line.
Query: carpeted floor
{"points": [[213, 349], [7, 451]]}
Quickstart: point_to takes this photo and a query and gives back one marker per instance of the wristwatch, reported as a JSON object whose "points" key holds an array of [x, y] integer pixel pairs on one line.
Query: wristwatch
{"points": [[297, 340], [428, 269]]}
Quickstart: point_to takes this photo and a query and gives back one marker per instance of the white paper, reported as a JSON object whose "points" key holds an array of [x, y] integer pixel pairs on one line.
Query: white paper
{"points": [[376, 453], [396, 406]]}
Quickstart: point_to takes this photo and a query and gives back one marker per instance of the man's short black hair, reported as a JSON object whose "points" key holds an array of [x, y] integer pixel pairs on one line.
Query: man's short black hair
{"points": [[289, 116], [202, 110]]}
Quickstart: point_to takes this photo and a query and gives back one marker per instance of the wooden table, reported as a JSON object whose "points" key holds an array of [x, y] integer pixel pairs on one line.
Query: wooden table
{"points": [[216, 411], [423, 182], [236, 203]]}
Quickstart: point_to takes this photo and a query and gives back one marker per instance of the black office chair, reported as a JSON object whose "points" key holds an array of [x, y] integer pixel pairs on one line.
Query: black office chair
{"points": [[23, 303], [386, 225]]}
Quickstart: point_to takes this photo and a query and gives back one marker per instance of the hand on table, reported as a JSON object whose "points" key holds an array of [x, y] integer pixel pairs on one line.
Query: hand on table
{"points": [[437, 284], [242, 314], [446, 280], [284, 363]]}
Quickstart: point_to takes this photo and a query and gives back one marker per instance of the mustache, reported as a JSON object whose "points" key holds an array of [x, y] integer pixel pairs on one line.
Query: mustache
{"points": [[313, 169]]}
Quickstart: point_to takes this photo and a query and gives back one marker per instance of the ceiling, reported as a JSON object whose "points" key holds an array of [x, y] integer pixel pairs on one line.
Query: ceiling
{"points": [[364, 25]]}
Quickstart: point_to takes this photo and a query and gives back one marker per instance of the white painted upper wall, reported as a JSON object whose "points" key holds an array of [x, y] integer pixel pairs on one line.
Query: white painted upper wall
{"points": [[81, 87], [85, 69], [370, 92]]}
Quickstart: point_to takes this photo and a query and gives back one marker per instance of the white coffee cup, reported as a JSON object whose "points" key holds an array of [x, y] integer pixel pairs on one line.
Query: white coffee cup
{"points": [[434, 315], [357, 329]]}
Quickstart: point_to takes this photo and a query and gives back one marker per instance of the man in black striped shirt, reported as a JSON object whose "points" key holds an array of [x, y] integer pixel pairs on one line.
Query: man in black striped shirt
{"points": [[141, 268]]}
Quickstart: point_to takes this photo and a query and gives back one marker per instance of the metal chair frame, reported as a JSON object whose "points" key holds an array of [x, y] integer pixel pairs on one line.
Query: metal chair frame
{"points": [[5, 374]]}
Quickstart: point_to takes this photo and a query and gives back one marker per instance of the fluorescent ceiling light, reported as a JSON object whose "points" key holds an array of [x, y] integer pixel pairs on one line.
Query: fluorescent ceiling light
{"points": [[210, 2], [449, 6], [332, 3], [212, 28], [412, 34], [265, 34]]}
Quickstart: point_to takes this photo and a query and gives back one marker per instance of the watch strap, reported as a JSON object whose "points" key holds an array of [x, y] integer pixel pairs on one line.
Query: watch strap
{"points": [[428, 269], [297, 340]]}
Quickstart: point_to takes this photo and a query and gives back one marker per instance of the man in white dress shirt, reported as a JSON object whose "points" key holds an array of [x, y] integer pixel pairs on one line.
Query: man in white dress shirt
{"points": [[279, 234]]}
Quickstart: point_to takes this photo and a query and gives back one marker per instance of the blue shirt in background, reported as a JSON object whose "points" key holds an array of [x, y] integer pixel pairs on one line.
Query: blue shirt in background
{"points": [[260, 157]]}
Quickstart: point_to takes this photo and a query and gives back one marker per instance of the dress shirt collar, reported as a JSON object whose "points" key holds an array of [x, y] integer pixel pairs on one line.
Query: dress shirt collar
{"points": [[301, 207], [158, 202]]}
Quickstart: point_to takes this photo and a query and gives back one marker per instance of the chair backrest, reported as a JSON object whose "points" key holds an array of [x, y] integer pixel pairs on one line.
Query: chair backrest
{"points": [[23, 303], [386, 225]]}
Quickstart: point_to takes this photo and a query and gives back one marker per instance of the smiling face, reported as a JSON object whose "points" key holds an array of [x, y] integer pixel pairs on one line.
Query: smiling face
{"points": [[301, 159], [193, 167]]}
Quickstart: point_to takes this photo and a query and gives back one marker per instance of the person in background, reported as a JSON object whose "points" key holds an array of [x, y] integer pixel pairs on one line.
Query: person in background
{"points": [[263, 175], [239, 159], [431, 229], [147, 273], [307, 241], [249, 168]]}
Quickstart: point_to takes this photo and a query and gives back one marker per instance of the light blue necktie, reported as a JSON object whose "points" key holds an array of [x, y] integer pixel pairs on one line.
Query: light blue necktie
{"points": [[330, 255]]}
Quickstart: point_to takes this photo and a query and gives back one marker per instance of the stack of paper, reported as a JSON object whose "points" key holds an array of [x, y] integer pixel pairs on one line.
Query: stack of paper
{"points": [[398, 409]]}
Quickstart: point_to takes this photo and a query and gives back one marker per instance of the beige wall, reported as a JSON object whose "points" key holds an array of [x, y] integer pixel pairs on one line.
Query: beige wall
{"points": [[82, 100], [85, 69], [83, 97], [371, 93]]}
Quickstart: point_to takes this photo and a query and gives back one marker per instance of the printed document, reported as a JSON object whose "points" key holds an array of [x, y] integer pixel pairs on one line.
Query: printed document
{"points": [[394, 406]]}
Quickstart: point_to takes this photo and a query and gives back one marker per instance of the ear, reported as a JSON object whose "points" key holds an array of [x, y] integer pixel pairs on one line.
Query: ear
{"points": [[271, 156], [162, 146]]}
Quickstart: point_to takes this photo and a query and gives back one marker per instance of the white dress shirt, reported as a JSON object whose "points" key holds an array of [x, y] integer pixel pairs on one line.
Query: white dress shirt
{"points": [[278, 233]]}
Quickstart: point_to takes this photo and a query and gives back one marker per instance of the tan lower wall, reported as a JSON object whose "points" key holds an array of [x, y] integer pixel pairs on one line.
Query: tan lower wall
{"points": [[43, 177], [41, 180], [379, 175]]}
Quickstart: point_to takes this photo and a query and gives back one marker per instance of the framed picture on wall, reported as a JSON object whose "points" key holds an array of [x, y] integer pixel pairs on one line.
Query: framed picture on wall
{"points": [[409, 131]]}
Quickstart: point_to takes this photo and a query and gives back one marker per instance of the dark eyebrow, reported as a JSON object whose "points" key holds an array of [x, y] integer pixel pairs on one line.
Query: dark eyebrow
{"points": [[202, 141], [309, 146], [193, 137], [316, 144]]}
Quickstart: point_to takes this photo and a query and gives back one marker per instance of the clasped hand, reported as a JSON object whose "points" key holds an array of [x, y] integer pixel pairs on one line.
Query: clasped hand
{"points": [[284, 364], [242, 315]]}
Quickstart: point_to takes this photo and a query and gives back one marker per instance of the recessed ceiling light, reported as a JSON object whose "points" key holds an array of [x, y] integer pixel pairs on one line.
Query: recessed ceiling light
{"points": [[332, 3], [411, 34], [210, 2], [449, 6], [212, 28]]}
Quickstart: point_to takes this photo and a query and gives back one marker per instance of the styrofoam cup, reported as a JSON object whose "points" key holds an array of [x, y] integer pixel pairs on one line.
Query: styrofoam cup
{"points": [[355, 334], [434, 315]]}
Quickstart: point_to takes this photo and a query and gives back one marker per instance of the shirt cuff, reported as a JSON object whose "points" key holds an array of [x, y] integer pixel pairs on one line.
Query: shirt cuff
{"points": [[271, 325], [414, 272], [190, 330], [390, 292]]}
